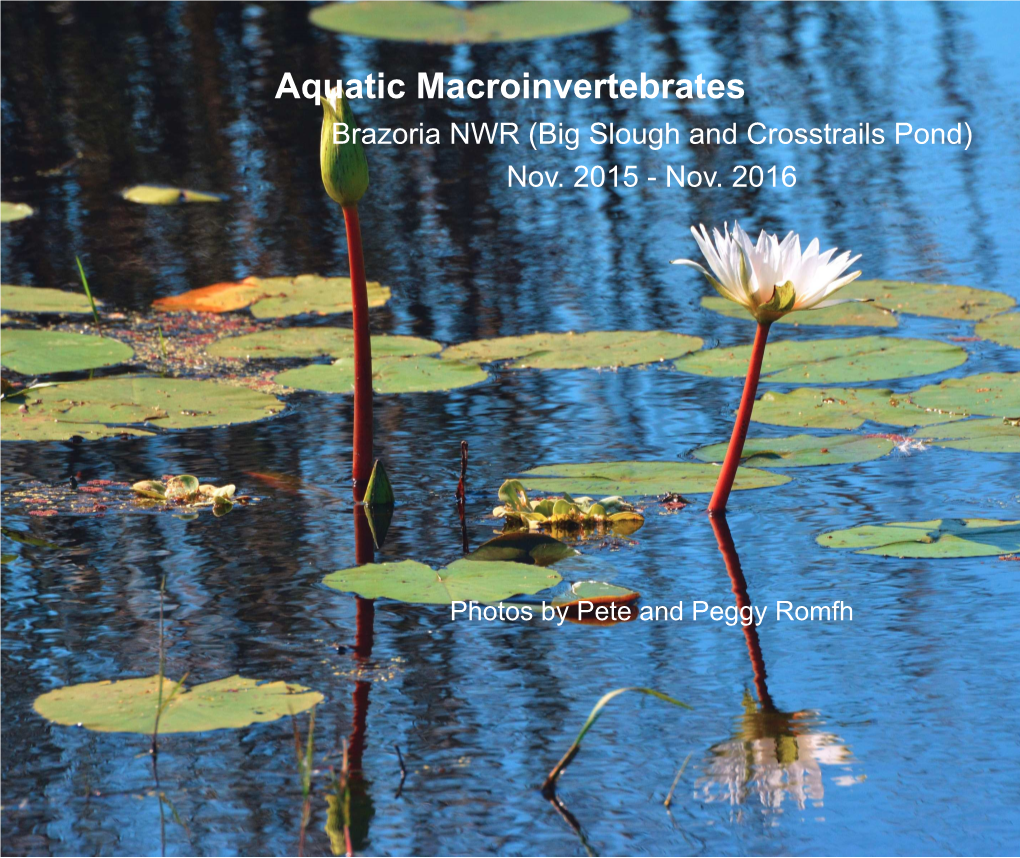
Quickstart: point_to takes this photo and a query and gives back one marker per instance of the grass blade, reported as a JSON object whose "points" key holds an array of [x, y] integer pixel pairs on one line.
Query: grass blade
{"points": [[88, 293]]}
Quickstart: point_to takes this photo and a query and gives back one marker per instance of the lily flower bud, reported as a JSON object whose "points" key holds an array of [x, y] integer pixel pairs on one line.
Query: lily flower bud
{"points": [[344, 166]]}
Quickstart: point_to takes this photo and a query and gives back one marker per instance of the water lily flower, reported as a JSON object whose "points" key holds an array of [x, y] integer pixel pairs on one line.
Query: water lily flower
{"points": [[769, 279]]}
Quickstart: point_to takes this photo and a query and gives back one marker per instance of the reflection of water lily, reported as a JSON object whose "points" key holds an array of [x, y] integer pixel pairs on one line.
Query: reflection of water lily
{"points": [[770, 279], [772, 756]]}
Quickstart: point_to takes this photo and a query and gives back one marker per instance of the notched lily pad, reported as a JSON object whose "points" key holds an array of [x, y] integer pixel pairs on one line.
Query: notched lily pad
{"points": [[38, 299], [982, 435], [802, 451], [129, 404], [641, 478], [129, 705], [850, 314], [537, 549], [316, 342], [439, 23], [275, 297], [422, 374], [854, 359], [42, 352], [948, 537], [940, 300], [462, 581], [14, 211], [594, 349], [1003, 329], [157, 195], [566, 514]]}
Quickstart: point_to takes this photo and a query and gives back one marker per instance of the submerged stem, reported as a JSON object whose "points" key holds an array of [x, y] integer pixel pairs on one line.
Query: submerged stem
{"points": [[362, 459], [736, 446]]}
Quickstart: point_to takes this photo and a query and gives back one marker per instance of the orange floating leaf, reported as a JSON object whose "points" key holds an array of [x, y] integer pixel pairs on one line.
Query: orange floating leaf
{"points": [[218, 298]]}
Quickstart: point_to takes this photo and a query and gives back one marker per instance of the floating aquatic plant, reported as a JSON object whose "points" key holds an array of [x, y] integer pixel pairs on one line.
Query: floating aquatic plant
{"points": [[157, 195], [41, 352], [38, 299], [938, 538], [14, 211], [768, 279], [803, 451], [565, 513], [186, 491]]}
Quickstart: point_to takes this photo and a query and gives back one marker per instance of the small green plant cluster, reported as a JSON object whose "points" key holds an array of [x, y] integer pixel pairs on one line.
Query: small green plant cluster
{"points": [[566, 512], [185, 490]]}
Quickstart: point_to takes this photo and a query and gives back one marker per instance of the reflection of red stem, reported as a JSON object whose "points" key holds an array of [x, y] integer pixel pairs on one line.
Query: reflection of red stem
{"points": [[364, 637], [729, 552], [362, 357], [736, 447]]}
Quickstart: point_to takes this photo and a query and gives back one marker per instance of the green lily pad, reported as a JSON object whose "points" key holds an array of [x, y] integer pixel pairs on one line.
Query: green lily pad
{"points": [[597, 592], [439, 23], [110, 406], [41, 352], [523, 547], [852, 314], [156, 195], [316, 342], [14, 211], [129, 705], [991, 394], [1003, 329], [940, 300], [802, 451], [7, 558], [948, 537], [36, 299], [577, 351], [983, 435], [831, 361], [389, 375], [461, 581], [641, 478], [312, 294]]}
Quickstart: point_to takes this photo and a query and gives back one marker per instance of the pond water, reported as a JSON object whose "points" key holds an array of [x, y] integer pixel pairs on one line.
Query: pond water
{"points": [[904, 720]]}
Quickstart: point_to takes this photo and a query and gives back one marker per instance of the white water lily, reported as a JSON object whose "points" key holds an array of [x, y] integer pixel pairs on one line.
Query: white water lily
{"points": [[773, 277]]}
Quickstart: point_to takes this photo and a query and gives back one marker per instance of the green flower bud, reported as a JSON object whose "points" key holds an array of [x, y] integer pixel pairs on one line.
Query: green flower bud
{"points": [[344, 166]]}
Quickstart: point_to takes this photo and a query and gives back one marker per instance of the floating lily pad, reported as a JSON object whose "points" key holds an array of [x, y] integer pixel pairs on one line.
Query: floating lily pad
{"points": [[1003, 329], [598, 593], [440, 23], [641, 478], [316, 342], [129, 705], [802, 451], [577, 351], [523, 547], [851, 314], [156, 195], [275, 297], [930, 299], [41, 352], [991, 394], [831, 361], [14, 211], [389, 375], [983, 435], [130, 403], [36, 299], [955, 537], [461, 581]]}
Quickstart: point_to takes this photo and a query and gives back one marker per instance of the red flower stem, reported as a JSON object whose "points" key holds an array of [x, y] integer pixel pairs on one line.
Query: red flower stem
{"points": [[362, 464], [729, 467]]}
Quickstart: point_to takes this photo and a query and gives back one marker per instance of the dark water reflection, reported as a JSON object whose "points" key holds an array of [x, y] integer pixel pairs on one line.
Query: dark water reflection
{"points": [[893, 734]]}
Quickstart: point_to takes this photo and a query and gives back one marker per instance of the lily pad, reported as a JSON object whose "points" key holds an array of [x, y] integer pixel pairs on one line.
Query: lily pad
{"points": [[802, 451], [831, 361], [949, 537], [42, 352], [851, 314], [130, 403], [641, 478], [316, 342], [940, 300], [156, 195], [598, 593], [389, 375], [37, 299], [1003, 329], [983, 435], [14, 211], [577, 351], [275, 297], [992, 394], [439, 23], [461, 581], [538, 549], [129, 705]]}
